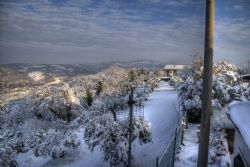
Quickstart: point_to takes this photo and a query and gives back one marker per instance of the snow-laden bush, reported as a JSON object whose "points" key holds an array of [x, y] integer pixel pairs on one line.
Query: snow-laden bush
{"points": [[226, 72], [10, 145], [245, 91], [225, 88], [175, 81], [190, 98], [54, 142], [190, 91], [60, 101], [42, 122], [240, 92], [112, 136], [7, 156], [220, 93], [47, 138], [218, 147]]}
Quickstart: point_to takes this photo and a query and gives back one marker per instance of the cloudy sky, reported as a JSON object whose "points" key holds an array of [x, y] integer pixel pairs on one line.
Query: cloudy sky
{"points": [[232, 31], [81, 31]]}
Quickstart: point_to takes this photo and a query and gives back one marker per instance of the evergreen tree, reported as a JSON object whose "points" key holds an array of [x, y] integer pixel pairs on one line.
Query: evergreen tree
{"points": [[99, 87], [131, 76], [89, 97]]}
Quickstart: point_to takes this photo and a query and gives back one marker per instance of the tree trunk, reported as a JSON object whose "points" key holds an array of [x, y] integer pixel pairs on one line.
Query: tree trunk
{"points": [[114, 115]]}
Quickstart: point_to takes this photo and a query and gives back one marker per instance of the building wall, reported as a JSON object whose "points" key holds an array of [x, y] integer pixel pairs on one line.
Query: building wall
{"points": [[230, 139], [241, 147], [171, 73]]}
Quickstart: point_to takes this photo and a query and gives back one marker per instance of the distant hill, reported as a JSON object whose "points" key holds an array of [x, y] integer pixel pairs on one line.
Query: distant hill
{"points": [[79, 69]]}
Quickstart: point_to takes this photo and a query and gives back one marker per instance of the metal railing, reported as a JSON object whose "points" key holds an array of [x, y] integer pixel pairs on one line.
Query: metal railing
{"points": [[168, 157]]}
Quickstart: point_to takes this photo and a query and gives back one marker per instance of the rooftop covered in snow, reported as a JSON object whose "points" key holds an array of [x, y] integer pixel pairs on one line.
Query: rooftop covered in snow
{"points": [[174, 67], [240, 116]]}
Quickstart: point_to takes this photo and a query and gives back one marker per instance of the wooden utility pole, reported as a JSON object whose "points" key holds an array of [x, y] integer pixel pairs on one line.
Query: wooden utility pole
{"points": [[130, 103], [207, 86]]}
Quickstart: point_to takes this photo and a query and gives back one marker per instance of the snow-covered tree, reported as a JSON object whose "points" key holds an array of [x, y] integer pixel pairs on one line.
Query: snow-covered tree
{"points": [[112, 136], [45, 121], [89, 97], [190, 91], [225, 88], [41, 123], [175, 81], [99, 87]]}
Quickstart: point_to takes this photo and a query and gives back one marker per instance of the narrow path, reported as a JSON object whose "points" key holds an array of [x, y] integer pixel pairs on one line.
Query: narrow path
{"points": [[161, 113]]}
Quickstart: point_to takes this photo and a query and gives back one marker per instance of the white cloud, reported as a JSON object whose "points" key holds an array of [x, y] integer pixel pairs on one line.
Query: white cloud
{"points": [[73, 32], [237, 7], [232, 39]]}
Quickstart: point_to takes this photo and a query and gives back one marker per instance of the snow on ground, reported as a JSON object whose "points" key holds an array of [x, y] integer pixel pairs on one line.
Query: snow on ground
{"points": [[161, 113], [240, 115], [188, 153], [29, 160], [164, 86]]}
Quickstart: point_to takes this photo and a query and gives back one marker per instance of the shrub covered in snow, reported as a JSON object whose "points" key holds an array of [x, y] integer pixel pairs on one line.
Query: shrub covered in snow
{"points": [[113, 136], [175, 81], [61, 101], [190, 99], [225, 88], [54, 142], [41, 123], [190, 91]]}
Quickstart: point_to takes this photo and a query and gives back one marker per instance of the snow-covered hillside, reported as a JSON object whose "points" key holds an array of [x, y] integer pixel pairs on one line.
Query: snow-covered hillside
{"points": [[53, 118]]}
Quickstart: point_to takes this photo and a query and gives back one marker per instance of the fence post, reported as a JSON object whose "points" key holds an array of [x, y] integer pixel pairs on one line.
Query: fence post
{"points": [[131, 103], [175, 137], [157, 161], [186, 119], [182, 136]]}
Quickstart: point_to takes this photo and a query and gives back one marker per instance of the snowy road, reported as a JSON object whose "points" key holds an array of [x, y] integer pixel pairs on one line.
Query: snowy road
{"points": [[161, 113]]}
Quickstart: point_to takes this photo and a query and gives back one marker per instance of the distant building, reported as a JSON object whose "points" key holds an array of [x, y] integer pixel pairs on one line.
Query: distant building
{"points": [[171, 70], [239, 114], [246, 77]]}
